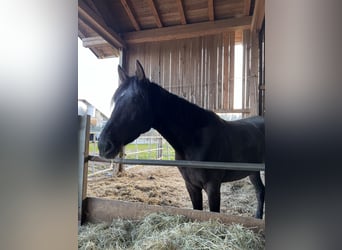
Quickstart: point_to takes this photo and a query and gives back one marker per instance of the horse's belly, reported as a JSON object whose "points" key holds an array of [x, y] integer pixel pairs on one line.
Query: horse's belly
{"points": [[235, 175]]}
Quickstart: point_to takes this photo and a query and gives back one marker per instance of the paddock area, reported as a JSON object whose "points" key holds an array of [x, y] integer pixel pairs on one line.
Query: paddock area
{"points": [[164, 186]]}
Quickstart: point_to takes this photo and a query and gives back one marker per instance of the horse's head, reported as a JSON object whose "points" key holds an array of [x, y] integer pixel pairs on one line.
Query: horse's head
{"points": [[131, 115]]}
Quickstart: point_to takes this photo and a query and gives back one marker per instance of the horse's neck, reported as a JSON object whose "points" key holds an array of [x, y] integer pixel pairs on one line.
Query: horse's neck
{"points": [[177, 120]]}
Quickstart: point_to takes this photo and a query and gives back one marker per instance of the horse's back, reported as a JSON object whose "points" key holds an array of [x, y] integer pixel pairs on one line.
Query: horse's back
{"points": [[256, 121], [247, 139]]}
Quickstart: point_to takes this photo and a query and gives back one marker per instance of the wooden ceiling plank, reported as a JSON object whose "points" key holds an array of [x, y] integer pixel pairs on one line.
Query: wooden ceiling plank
{"points": [[89, 42], [155, 13], [188, 31], [130, 15], [90, 18], [258, 15], [246, 8], [211, 10], [181, 11], [93, 7]]}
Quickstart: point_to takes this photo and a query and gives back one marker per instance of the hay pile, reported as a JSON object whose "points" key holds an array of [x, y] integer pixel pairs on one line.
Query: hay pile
{"points": [[162, 231]]}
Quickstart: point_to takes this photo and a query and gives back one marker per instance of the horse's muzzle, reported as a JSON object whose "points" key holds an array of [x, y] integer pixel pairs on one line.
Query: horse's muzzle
{"points": [[107, 149]]}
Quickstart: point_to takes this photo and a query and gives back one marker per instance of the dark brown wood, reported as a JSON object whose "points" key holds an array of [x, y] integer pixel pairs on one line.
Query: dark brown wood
{"points": [[104, 210], [253, 79], [231, 69], [187, 31], [121, 167], [86, 153], [245, 67], [90, 18], [82, 120], [181, 11], [211, 13], [155, 13], [125, 16], [225, 70], [258, 15], [130, 14], [246, 7], [197, 69], [93, 6]]}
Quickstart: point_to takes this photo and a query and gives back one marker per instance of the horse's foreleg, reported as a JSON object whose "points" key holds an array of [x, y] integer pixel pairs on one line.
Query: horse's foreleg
{"points": [[213, 192], [195, 196], [260, 193]]}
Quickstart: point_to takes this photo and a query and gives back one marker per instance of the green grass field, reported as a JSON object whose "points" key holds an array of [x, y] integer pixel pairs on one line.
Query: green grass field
{"points": [[168, 152]]}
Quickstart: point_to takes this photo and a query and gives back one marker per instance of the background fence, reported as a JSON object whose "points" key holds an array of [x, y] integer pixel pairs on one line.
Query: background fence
{"points": [[150, 145]]}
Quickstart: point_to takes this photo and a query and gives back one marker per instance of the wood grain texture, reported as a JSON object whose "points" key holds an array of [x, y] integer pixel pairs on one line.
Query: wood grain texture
{"points": [[187, 31], [104, 210], [130, 14]]}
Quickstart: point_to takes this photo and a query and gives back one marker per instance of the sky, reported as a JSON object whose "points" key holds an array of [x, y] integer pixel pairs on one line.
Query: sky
{"points": [[97, 78]]}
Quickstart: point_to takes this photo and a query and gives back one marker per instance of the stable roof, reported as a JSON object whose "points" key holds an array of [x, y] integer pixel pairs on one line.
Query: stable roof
{"points": [[107, 26]]}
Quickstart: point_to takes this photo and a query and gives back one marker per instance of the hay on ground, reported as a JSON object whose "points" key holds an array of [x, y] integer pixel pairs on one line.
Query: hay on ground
{"points": [[162, 231]]}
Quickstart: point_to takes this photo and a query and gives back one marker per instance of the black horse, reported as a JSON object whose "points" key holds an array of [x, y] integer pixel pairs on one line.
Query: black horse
{"points": [[195, 134]]}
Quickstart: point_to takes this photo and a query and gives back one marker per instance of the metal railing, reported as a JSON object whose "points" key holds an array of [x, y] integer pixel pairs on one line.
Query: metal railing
{"points": [[159, 145], [180, 163]]}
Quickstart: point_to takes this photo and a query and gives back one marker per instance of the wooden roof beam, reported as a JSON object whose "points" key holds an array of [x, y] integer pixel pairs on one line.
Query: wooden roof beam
{"points": [[90, 18], [211, 10], [181, 11], [188, 31], [130, 15], [258, 15], [155, 13], [95, 41], [247, 7]]}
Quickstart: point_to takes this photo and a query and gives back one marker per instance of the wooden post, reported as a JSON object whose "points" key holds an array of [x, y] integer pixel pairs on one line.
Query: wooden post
{"points": [[122, 63], [231, 70], [160, 148], [253, 84], [261, 110], [121, 155], [225, 71], [83, 151], [246, 70]]}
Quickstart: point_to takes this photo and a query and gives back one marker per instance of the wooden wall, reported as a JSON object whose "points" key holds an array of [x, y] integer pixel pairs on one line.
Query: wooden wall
{"points": [[200, 69]]}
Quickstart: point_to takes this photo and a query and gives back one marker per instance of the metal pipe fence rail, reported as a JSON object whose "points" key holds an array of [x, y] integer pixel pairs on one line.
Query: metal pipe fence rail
{"points": [[181, 163]]}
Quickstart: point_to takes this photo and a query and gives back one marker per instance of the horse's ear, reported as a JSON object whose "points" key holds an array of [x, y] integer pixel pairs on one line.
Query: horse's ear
{"points": [[122, 74], [139, 71]]}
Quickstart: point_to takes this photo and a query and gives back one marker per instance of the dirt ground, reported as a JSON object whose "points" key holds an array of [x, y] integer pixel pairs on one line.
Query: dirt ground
{"points": [[165, 186]]}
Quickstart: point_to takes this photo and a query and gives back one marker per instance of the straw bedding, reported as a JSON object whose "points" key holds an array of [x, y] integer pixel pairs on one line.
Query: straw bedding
{"points": [[162, 231]]}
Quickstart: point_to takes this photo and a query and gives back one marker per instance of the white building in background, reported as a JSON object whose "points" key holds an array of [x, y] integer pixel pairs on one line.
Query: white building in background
{"points": [[97, 118]]}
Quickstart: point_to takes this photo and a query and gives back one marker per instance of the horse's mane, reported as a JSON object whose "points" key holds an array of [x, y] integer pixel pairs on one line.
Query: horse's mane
{"points": [[174, 106], [179, 107]]}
